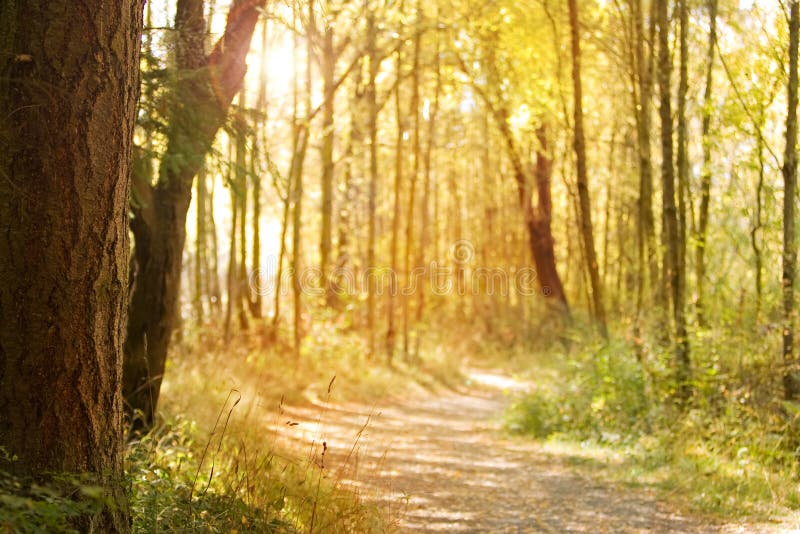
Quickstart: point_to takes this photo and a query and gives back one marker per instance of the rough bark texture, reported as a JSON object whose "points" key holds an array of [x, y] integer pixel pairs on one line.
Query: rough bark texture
{"points": [[791, 376], [197, 106], [68, 88]]}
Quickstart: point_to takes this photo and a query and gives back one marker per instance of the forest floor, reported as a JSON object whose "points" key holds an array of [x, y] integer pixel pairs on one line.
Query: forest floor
{"points": [[438, 461]]}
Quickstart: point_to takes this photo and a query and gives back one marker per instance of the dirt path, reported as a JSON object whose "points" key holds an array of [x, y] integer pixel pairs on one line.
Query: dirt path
{"points": [[439, 464]]}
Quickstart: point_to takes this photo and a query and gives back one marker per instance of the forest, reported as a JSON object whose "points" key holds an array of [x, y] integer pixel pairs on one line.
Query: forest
{"points": [[399, 266]]}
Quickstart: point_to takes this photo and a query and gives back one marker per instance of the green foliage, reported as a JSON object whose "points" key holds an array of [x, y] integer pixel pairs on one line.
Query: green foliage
{"points": [[28, 506], [171, 492], [179, 484], [603, 399], [732, 450]]}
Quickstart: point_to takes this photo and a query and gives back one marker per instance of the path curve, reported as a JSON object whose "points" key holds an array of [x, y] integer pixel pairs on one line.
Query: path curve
{"points": [[438, 463]]}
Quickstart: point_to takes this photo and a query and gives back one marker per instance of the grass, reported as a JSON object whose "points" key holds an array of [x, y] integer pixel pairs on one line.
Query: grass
{"points": [[732, 452], [216, 462]]}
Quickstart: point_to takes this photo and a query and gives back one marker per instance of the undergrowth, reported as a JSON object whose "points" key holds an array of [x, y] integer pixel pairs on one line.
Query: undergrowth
{"points": [[29, 506], [731, 450], [180, 484]]}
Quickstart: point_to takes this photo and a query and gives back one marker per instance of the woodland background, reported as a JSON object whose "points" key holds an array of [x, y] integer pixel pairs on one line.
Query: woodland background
{"points": [[598, 194]]}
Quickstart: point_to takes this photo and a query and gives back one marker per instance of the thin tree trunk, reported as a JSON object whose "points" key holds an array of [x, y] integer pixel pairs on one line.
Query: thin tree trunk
{"points": [[200, 246], [410, 285], [231, 286], [705, 180], [287, 200], [242, 290], [372, 133], [648, 257], [65, 166], [672, 247], [682, 162], [328, 67], [298, 161], [398, 178], [791, 375], [215, 293], [757, 225], [259, 144], [426, 187], [582, 180], [297, 217]]}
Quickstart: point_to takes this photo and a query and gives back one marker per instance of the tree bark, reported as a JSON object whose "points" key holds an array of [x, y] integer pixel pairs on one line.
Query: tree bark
{"points": [[424, 237], [648, 257], [587, 231], [197, 104], [415, 148], [672, 246], [372, 133], [705, 180], [682, 159], [259, 143], [398, 179], [328, 68], [69, 82], [791, 374]]}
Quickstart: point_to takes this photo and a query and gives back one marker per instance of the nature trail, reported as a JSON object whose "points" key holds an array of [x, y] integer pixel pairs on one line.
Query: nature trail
{"points": [[438, 462]]}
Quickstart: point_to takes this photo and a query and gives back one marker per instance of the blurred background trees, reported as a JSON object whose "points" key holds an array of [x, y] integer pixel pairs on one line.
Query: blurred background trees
{"points": [[370, 139]]}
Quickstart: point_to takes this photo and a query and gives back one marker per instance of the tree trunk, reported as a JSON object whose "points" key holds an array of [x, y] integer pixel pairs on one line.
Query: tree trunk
{"points": [[372, 133], [328, 67], [410, 286], [540, 233], [298, 160], [239, 189], [758, 223], [672, 246], [705, 180], [259, 143], [587, 232], [231, 286], [791, 374], [199, 103], [200, 247], [682, 161], [648, 257], [215, 296], [398, 178], [426, 182], [69, 82]]}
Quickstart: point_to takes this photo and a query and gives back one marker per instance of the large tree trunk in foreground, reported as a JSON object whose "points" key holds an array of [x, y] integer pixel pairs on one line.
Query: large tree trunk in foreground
{"points": [[68, 90], [199, 103]]}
